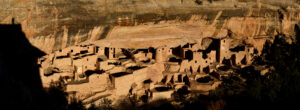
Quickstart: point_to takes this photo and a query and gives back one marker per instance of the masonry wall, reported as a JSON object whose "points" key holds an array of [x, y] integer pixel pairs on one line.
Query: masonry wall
{"points": [[162, 54], [101, 51], [62, 62], [162, 95], [140, 75], [123, 84], [224, 49], [90, 62]]}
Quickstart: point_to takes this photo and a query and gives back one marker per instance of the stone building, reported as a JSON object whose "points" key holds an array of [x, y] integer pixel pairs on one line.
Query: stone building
{"points": [[111, 52], [156, 95], [100, 51], [224, 49], [122, 82], [62, 53], [162, 54], [238, 53], [90, 63], [59, 62], [154, 72], [143, 55]]}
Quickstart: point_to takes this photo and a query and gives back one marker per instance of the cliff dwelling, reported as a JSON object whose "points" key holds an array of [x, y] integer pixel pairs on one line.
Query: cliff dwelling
{"points": [[108, 52]]}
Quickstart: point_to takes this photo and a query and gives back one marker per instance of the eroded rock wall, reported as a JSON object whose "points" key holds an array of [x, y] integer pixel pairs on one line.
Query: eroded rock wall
{"points": [[56, 24]]}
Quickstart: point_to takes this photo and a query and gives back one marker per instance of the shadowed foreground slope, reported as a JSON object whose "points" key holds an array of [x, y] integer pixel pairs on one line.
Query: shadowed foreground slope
{"points": [[21, 86], [20, 80]]}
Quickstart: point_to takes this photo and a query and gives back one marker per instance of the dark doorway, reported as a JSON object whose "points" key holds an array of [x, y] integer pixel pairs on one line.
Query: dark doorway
{"points": [[188, 55]]}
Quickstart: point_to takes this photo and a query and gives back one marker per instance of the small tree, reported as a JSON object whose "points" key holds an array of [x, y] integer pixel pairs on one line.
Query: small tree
{"points": [[199, 2]]}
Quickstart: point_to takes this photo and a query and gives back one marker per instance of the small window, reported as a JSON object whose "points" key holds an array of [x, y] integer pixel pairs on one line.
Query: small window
{"points": [[60, 50], [162, 48], [196, 61], [205, 61], [71, 50], [87, 59]]}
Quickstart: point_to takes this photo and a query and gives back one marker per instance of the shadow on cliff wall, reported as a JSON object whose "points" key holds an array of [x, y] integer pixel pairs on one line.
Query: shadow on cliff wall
{"points": [[21, 86]]}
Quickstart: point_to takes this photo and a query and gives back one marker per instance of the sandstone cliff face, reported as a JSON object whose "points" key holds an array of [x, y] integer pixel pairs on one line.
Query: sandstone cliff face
{"points": [[56, 24]]}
